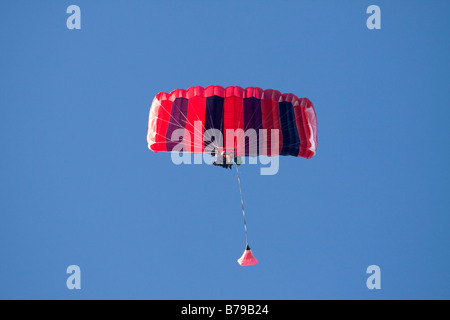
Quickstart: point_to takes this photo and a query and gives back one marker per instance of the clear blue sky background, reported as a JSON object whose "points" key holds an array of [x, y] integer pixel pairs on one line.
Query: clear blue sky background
{"points": [[78, 184]]}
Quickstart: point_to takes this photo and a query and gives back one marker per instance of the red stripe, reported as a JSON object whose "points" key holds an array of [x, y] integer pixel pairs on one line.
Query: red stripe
{"points": [[163, 108], [233, 117], [308, 125], [270, 100], [268, 106], [152, 120], [303, 129], [299, 120], [214, 91], [312, 119], [196, 112]]}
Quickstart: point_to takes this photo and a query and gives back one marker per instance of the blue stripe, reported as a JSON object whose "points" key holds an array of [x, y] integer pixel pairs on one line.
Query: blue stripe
{"points": [[177, 120], [291, 141], [214, 114], [252, 120]]}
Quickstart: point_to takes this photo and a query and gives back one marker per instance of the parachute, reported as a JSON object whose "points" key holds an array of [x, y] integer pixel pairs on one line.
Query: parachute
{"points": [[233, 112], [230, 123]]}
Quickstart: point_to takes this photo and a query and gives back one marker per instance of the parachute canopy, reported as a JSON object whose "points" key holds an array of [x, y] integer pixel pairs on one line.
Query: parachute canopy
{"points": [[249, 121]]}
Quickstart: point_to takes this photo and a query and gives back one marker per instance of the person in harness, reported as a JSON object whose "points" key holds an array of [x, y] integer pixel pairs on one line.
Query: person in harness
{"points": [[226, 159]]}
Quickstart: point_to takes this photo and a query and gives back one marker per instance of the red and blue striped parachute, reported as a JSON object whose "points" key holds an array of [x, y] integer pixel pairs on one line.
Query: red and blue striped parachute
{"points": [[196, 110]]}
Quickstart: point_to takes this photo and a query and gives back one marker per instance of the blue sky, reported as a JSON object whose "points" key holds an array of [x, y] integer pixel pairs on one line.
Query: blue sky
{"points": [[78, 185]]}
